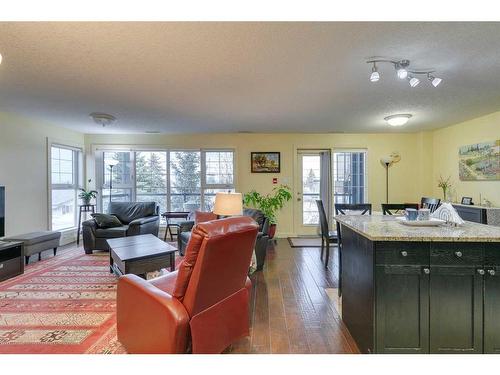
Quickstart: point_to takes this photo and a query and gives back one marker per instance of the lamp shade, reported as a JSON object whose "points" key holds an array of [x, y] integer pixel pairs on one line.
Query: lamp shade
{"points": [[228, 204], [113, 162]]}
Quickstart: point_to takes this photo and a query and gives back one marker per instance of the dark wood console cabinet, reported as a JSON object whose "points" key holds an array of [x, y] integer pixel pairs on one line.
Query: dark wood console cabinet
{"points": [[472, 213], [11, 259]]}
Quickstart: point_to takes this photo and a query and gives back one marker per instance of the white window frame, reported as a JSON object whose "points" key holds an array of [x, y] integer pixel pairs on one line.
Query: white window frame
{"points": [[340, 150], [99, 168], [78, 170]]}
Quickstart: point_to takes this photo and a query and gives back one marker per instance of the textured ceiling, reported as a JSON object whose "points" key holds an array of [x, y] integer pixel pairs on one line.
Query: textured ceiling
{"points": [[179, 77]]}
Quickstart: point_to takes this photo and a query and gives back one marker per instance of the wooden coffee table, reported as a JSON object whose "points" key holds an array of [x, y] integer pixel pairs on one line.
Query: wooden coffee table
{"points": [[140, 254]]}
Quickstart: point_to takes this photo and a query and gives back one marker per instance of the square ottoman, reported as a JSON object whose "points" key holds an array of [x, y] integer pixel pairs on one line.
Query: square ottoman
{"points": [[36, 242]]}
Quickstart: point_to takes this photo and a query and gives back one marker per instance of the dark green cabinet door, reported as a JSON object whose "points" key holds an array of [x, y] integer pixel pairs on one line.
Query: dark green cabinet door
{"points": [[402, 309], [456, 309], [492, 310]]}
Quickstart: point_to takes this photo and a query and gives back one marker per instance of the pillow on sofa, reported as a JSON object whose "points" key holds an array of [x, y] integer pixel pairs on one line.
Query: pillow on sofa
{"points": [[202, 217], [106, 221]]}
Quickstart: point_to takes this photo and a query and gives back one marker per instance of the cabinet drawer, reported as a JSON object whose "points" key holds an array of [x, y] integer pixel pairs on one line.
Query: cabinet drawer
{"points": [[10, 268], [457, 254], [402, 253]]}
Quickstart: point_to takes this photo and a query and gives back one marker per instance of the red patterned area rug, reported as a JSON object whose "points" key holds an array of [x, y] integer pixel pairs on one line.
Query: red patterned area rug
{"points": [[65, 304]]}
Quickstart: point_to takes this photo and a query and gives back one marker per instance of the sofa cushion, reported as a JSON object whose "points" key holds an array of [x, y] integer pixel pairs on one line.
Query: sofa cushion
{"points": [[115, 232], [129, 211], [106, 221], [203, 217], [35, 237]]}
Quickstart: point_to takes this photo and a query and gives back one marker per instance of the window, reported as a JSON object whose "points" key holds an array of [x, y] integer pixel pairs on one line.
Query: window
{"points": [[185, 180], [177, 180], [151, 177], [349, 173], [65, 171], [120, 164], [219, 176]]}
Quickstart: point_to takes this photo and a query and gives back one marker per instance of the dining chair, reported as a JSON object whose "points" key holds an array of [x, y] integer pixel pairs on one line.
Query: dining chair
{"points": [[431, 203], [348, 209], [395, 208], [327, 236]]}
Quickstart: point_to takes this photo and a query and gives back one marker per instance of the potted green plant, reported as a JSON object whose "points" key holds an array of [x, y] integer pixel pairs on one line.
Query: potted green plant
{"points": [[269, 203], [87, 195]]}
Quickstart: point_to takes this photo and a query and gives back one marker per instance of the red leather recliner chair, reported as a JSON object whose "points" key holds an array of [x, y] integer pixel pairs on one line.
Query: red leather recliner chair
{"points": [[200, 308]]}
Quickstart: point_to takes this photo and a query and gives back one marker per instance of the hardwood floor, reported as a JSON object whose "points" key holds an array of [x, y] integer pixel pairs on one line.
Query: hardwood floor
{"points": [[291, 311]]}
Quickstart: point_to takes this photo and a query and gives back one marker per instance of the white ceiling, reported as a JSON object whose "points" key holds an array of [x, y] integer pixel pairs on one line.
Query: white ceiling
{"points": [[180, 77]]}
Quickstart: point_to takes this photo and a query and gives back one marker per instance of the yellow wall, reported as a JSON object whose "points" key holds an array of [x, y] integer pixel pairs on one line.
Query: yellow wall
{"points": [[424, 156], [23, 170], [446, 142], [407, 178]]}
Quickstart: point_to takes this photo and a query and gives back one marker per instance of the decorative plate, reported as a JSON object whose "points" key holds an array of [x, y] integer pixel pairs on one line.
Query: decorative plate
{"points": [[420, 223]]}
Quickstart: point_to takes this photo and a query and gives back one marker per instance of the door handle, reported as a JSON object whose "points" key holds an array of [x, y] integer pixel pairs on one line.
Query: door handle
{"points": [[492, 272], [480, 271], [427, 271]]}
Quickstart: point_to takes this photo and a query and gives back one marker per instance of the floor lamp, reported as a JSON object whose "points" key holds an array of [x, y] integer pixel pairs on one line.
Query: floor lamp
{"points": [[387, 162], [111, 164]]}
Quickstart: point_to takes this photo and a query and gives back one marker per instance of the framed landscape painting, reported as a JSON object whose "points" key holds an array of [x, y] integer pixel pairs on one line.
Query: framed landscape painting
{"points": [[265, 162], [480, 161]]}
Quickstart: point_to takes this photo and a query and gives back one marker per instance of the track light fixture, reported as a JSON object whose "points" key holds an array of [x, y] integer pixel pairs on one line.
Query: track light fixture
{"points": [[434, 80], [375, 76], [413, 81], [403, 72], [401, 68]]}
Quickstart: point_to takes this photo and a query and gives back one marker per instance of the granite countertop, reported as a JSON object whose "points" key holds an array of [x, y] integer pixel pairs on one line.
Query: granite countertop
{"points": [[386, 228]]}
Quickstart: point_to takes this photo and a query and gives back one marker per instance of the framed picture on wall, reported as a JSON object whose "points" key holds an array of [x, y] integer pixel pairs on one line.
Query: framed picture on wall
{"points": [[467, 201], [265, 162]]}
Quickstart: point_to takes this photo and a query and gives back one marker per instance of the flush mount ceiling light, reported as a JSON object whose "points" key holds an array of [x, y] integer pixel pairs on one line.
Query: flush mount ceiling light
{"points": [[102, 119], [398, 120], [403, 71]]}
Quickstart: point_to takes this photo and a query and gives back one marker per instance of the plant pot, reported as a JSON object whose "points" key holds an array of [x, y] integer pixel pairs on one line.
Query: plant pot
{"points": [[272, 231], [86, 202]]}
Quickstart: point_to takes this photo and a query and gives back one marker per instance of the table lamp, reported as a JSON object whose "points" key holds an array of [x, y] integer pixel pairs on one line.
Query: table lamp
{"points": [[228, 204]]}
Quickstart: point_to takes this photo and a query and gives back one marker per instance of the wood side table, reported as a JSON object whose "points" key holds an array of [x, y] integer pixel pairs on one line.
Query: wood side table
{"points": [[83, 208]]}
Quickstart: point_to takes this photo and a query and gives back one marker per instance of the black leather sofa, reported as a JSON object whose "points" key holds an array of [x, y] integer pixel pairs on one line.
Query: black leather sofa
{"points": [[185, 227], [136, 217]]}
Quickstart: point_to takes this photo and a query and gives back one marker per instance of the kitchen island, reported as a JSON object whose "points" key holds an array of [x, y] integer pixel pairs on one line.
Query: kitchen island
{"points": [[420, 289]]}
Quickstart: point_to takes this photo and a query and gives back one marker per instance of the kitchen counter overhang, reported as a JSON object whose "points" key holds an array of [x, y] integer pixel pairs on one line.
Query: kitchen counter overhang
{"points": [[388, 228]]}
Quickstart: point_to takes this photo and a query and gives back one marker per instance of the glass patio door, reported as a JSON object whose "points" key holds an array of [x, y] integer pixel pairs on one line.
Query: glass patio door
{"points": [[308, 190]]}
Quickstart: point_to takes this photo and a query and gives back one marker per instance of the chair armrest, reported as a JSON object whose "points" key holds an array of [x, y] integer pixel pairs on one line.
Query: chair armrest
{"points": [[186, 226], [144, 220], [91, 224], [265, 226], [150, 320]]}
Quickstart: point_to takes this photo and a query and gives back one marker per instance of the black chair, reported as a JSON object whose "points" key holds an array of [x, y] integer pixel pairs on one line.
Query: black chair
{"points": [[394, 208], [431, 203], [327, 236], [348, 209], [353, 209]]}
